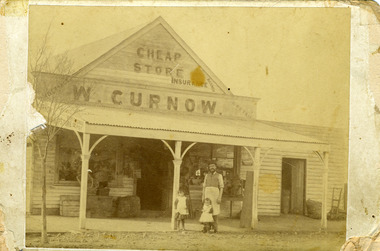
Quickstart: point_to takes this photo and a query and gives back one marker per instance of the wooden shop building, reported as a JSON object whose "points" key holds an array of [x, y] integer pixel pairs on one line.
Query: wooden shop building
{"points": [[151, 115]]}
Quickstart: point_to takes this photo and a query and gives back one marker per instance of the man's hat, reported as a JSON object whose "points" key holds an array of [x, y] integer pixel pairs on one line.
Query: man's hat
{"points": [[212, 162]]}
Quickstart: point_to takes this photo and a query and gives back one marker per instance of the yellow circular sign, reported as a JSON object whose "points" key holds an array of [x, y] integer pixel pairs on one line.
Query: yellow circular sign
{"points": [[269, 183]]}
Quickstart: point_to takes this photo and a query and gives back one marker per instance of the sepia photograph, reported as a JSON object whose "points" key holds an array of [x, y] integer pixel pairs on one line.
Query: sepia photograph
{"points": [[188, 128]]}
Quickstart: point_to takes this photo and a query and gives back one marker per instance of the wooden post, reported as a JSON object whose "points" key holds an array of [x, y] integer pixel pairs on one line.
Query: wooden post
{"points": [[246, 212], [119, 163], [325, 190], [211, 151], [83, 182], [177, 167], [255, 192], [237, 160]]}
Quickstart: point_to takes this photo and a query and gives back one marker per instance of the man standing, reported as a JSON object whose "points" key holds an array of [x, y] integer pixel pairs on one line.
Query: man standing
{"points": [[213, 189]]}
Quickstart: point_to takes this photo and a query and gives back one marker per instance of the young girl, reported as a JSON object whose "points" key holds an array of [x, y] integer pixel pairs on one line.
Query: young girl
{"points": [[206, 217], [182, 211]]}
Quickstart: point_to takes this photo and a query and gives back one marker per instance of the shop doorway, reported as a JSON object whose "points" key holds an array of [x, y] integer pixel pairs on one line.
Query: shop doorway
{"points": [[293, 186], [152, 186]]}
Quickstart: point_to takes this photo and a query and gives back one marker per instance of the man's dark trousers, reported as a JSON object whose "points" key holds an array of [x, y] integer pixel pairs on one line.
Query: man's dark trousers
{"points": [[215, 223]]}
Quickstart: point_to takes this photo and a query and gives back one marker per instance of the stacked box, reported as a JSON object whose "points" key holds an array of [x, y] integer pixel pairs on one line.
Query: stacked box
{"points": [[69, 205], [128, 207], [100, 206]]}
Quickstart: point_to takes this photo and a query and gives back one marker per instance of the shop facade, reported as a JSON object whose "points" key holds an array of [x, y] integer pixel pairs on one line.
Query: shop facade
{"points": [[151, 116]]}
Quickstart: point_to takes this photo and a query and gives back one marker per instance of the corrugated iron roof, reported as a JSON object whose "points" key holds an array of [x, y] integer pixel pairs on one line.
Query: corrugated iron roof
{"points": [[189, 124], [83, 55]]}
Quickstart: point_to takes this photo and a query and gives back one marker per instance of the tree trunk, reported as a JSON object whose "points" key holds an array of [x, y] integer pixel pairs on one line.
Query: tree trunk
{"points": [[44, 238]]}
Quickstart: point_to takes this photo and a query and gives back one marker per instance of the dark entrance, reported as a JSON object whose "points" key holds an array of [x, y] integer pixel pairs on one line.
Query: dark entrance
{"points": [[293, 186], [153, 186]]}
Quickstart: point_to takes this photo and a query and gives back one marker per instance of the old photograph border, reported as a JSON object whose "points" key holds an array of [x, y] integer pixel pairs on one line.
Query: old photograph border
{"points": [[358, 15]]}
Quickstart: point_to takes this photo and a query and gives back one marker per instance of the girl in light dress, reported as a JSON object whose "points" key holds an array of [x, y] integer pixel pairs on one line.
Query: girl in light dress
{"points": [[206, 216], [182, 209]]}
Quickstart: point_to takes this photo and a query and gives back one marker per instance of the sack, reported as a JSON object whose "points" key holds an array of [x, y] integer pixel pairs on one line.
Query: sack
{"points": [[314, 209], [365, 243]]}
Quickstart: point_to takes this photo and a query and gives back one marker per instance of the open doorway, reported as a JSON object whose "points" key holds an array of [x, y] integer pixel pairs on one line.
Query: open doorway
{"points": [[293, 186], [152, 184]]}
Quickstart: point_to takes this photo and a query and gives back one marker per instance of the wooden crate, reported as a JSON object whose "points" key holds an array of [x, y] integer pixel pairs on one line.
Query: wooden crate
{"points": [[69, 205]]}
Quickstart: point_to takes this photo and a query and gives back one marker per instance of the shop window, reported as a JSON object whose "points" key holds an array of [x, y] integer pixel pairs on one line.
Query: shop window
{"points": [[68, 158], [102, 163], [103, 168], [224, 157], [70, 165], [105, 164]]}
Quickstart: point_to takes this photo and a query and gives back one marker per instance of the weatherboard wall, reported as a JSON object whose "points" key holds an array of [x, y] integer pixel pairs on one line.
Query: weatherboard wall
{"points": [[271, 168]]}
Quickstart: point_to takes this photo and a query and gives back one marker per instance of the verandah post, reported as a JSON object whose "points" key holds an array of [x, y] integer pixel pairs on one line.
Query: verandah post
{"points": [[83, 183], [255, 191], [177, 165], [325, 190]]}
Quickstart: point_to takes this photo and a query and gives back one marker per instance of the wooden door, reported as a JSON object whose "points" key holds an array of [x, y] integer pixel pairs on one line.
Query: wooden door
{"points": [[297, 186]]}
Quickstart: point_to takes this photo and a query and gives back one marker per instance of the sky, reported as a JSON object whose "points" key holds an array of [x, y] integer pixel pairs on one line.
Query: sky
{"points": [[296, 60]]}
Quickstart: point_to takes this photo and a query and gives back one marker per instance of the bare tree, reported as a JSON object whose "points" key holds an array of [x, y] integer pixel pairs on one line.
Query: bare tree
{"points": [[49, 75]]}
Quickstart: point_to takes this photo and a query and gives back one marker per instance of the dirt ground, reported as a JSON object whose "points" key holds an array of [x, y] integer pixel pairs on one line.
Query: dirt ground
{"points": [[193, 240]]}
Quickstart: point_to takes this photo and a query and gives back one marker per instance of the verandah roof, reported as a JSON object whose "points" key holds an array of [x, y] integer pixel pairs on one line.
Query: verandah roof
{"points": [[158, 125]]}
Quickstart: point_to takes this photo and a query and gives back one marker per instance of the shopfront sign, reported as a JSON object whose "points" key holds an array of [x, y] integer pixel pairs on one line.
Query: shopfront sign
{"points": [[133, 97], [157, 62], [157, 59]]}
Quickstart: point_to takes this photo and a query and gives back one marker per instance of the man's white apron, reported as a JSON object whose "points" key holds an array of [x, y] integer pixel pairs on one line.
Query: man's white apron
{"points": [[213, 193]]}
